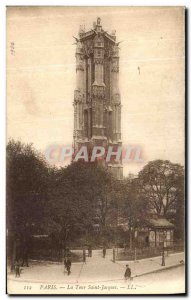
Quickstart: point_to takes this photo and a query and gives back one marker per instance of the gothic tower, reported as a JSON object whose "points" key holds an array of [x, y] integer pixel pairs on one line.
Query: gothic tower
{"points": [[97, 102]]}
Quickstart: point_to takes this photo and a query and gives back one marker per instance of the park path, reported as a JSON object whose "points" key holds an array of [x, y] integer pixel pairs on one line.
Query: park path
{"points": [[102, 274], [99, 269], [96, 269]]}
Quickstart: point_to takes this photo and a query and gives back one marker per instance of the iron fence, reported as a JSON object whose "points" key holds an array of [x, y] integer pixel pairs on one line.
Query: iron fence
{"points": [[147, 252]]}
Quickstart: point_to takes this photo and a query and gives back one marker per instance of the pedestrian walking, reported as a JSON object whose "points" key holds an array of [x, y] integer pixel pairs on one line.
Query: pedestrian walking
{"points": [[127, 274], [104, 252]]}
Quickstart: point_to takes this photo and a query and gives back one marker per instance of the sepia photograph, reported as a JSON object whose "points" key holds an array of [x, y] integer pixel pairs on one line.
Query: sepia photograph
{"points": [[95, 150]]}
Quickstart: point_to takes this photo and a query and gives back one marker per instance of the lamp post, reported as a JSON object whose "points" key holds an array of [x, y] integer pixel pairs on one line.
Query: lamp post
{"points": [[116, 238], [114, 254], [135, 241], [163, 252], [163, 257]]}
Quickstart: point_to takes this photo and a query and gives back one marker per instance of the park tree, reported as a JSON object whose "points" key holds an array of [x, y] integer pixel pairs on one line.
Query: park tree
{"points": [[132, 206], [104, 195], [179, 214], [27, 181], [78, 200], [64, 203], [162, 184]]}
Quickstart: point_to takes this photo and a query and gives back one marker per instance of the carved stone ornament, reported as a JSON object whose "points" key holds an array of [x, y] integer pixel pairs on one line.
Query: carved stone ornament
{"points": [[99, 61], [79, 62], [115, 51], [115, 66], [77, 96], [88, 48], [79, 67], [117, 99], [98, 92]]}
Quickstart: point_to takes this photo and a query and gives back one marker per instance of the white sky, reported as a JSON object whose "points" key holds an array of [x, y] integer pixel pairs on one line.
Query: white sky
{"points": [[41, 76]]}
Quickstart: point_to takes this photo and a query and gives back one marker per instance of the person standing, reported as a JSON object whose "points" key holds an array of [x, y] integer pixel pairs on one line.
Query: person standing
{"points": [[17, 269], [113, 254], [25, 256], [125, 248], [104, 252], [65, 264], [90, 251], [84, 255], [68, 266], [127, 274]]}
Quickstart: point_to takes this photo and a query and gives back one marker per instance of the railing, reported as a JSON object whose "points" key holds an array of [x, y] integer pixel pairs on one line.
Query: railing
{"points": [[146, 252], [137, 253]]}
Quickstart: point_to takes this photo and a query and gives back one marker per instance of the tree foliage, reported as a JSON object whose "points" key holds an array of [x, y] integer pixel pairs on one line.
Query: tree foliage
{"points": [[27, 181], [66, 203], [78, 200], [161, 184]]}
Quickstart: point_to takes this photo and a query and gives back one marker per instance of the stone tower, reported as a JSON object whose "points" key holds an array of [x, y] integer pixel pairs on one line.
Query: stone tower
{"points": [[97, 102]]}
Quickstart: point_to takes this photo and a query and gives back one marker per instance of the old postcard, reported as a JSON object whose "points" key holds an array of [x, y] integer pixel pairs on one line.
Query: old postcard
{"points": [[95, 150]]}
